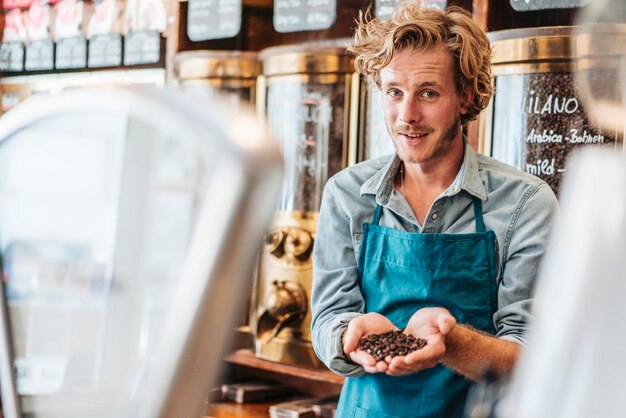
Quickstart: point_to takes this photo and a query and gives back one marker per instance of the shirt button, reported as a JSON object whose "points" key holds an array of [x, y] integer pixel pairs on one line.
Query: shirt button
{"points": [[434, 216]]}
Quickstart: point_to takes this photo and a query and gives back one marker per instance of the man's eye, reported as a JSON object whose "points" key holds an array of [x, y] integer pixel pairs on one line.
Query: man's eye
{"points": [[394, 93], [429, 94]]}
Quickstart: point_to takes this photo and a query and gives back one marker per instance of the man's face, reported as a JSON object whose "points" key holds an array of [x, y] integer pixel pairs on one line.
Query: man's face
{"points": [[422, 105]]}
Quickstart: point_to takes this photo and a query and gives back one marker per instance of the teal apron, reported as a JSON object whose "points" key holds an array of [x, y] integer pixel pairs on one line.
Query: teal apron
{"points": [[401, 272]]}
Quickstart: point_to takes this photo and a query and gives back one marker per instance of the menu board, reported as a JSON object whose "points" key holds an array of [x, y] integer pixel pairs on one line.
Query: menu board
{"points": [[142, 47], [304, 15], [105, 51], [71, 53], [384, 8], [39, 55], [11, 56], [213, 19], [539, 120], [527, 5]]}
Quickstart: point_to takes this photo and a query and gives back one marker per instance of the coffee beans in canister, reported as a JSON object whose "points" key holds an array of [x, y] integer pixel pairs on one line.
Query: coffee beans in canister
{"points": [[391, 343], [551, 123]]}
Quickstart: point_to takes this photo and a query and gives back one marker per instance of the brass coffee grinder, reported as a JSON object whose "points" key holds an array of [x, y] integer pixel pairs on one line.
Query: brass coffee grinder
{"points": [[307, 99]]}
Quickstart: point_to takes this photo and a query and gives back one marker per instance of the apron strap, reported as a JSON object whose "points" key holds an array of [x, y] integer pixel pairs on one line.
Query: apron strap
{"points": [[379, 210], [478, 215]]}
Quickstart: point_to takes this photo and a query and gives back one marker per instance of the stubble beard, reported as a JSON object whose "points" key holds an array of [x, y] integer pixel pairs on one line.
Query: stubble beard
{"points": [[442, 146]]}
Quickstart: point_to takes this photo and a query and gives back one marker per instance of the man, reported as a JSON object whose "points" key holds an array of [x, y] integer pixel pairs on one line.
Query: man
{"points": [[436, 240]]}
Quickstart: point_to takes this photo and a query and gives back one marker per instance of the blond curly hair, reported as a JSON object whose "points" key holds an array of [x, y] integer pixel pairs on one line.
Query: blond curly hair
{"points": [[420, 28]]}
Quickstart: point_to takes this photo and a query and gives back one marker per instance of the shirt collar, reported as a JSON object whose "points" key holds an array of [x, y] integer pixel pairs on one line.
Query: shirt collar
{"points": [[381, 183], [468, 179]]}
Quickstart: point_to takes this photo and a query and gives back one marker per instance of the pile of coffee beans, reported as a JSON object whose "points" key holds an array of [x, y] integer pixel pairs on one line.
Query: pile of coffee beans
{"points": [[392, 343]]}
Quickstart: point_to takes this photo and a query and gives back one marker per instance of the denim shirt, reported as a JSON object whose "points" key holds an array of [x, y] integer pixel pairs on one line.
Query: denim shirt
{"points": [[517, 206]]}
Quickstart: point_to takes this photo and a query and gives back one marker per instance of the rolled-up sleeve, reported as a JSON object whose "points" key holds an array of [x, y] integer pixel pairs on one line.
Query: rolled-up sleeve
{"points": [[336, 296], [525, 244]]}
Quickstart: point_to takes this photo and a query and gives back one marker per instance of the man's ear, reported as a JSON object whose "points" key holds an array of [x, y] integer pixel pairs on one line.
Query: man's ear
{"points": [[467, 97]]}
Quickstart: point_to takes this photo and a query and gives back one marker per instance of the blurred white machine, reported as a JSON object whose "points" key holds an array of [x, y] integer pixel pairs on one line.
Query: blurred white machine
{"points": [[130, 221], [574, 365]]}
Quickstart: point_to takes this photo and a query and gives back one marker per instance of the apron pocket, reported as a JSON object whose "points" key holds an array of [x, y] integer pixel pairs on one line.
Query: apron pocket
{"points": [[364, 413]]}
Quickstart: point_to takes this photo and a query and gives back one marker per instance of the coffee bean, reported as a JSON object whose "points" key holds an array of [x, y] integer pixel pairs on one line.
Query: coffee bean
{"points": [[391, 343]]}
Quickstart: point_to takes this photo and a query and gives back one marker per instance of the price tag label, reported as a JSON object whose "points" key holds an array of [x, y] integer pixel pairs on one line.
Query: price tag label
{"points": [[304, 15], [213, 19], [528, 5], [105, 51], [39, 55], [142, 48], [11, 57], [384, 8], [71, 53]]}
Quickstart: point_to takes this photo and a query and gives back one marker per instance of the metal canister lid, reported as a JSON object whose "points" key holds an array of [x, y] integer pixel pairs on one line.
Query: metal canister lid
{"points": [[320, 57], [532, 44], [557, 43], [204, 64]]}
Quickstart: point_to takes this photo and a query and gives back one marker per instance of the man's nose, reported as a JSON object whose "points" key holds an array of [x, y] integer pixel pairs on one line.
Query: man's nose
{"points": [[409, 112]]}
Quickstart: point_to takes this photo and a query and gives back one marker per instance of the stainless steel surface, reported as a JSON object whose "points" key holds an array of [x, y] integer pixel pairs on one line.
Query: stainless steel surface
{"points": [[166, 327]]}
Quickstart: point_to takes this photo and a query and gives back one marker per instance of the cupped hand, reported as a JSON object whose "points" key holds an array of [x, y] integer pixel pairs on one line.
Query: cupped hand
{"points": [[431, 324], [360, 327]]}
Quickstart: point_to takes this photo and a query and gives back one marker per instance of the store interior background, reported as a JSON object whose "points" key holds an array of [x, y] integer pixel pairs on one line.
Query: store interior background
{"points": [[560, 84]]}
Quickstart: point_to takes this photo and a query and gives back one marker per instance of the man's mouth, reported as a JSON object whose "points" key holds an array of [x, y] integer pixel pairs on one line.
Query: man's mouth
{"points": [[414, 135]]}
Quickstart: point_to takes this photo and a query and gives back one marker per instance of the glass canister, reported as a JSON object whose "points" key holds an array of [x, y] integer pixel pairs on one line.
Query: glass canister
{"points": [[536, 117], [230, 73], [307, 98], [374, 138]]}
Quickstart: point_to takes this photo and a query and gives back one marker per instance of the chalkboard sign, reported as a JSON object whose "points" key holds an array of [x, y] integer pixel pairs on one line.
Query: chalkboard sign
{"points": [[304, 15], [213, 19], [105, 51], [11, 56], [142, 48], [39, 55], [384, 8], [527, 5], [71, 53]]}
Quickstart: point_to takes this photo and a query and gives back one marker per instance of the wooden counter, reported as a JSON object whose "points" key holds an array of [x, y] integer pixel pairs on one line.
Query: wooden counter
{"points": [[247, 358], [246, 366], [235, 410]]}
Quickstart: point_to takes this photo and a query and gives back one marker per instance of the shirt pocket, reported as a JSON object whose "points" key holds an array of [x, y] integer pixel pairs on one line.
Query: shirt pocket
{"points": [[356, 241]]}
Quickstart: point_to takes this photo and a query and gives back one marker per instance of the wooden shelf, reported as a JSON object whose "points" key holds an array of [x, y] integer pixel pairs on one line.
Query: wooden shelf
{"points": [[247, 358], [234, 410], [302, 381]]}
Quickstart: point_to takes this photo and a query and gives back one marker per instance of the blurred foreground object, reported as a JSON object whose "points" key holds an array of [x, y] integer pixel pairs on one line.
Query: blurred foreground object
{"points": [[574, 364], [130, 221], [602, 35]]}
